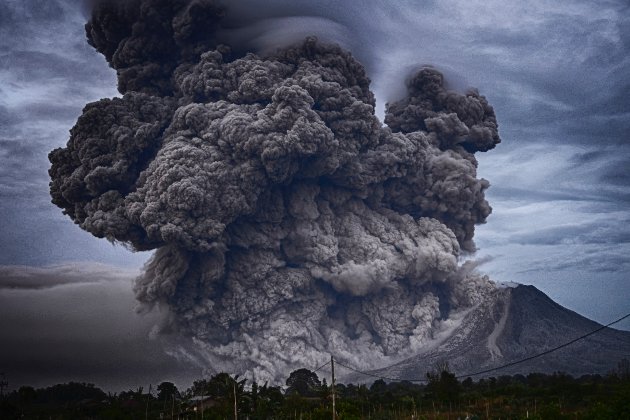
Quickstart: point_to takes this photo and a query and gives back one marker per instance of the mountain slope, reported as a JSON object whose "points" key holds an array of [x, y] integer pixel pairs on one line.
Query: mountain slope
{"points": [[513, 324]]}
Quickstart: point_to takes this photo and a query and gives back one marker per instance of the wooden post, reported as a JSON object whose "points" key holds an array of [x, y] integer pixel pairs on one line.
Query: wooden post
{"points": [[235, 407], [332, 368]]}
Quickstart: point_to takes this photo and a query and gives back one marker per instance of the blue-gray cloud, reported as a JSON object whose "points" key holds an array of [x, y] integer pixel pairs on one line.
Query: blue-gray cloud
{"points": [[594, 232], [28, 277]]}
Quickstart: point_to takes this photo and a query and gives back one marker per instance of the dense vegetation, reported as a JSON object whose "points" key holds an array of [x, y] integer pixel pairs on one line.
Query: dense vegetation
{"points": [[305, 396]]}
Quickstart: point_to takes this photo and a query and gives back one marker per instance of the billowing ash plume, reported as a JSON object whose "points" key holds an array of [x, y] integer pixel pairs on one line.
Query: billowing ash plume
{"points": [[288, 222]]}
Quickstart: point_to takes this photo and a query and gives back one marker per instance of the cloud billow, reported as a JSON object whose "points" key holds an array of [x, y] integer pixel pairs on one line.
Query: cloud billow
{"points": [[288, 222]]}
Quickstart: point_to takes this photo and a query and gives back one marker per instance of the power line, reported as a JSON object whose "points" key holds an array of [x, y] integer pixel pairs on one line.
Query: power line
{"points": [[546, 351], [316, 370], [494, 368]]}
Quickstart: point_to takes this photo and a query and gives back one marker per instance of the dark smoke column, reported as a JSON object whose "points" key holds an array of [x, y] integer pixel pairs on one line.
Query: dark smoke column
{"points": [[288, 222]]}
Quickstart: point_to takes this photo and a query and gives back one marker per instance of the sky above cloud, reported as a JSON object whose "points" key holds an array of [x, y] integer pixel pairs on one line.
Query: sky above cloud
{"points": [[556, 72]]}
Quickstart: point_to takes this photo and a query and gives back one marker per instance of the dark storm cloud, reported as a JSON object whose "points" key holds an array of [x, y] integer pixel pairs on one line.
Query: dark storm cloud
{"points": [[78, 323], [270, 190]]}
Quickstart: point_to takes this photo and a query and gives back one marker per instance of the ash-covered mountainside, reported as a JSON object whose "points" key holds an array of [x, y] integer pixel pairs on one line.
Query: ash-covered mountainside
{"points": [[513, 324]]}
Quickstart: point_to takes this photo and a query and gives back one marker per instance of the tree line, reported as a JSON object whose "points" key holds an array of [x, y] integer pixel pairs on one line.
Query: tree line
{"points": [[307, 396]]}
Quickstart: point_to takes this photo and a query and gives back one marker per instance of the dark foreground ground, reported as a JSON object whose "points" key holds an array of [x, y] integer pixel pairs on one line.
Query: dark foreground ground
{"points": [[535, 396]]}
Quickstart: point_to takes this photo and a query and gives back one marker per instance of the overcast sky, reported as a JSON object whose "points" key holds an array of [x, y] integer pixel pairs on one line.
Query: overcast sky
{"points": [[556, 72]]}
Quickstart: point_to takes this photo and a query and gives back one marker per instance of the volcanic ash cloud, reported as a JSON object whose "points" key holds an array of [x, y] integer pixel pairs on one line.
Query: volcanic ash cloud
{"points": [[288, 223]]}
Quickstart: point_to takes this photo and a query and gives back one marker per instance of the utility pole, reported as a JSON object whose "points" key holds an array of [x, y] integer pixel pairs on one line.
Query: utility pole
{"points": [[332, 386], [235, 408]]}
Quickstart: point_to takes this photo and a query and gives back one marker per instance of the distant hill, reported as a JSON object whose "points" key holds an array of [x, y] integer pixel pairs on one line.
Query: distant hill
{"points": [[514, 323]]}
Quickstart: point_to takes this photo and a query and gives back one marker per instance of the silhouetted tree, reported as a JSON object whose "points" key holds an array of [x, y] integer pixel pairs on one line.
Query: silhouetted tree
{"points": [[167, 390], [443, 384], [72, 391], [467, 383], [378, 387], [303, 382], [268, 402], [27, 394]]}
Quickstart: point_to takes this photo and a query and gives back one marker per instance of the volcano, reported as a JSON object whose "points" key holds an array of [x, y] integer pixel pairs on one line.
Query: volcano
{"points": [[515, 323]]}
